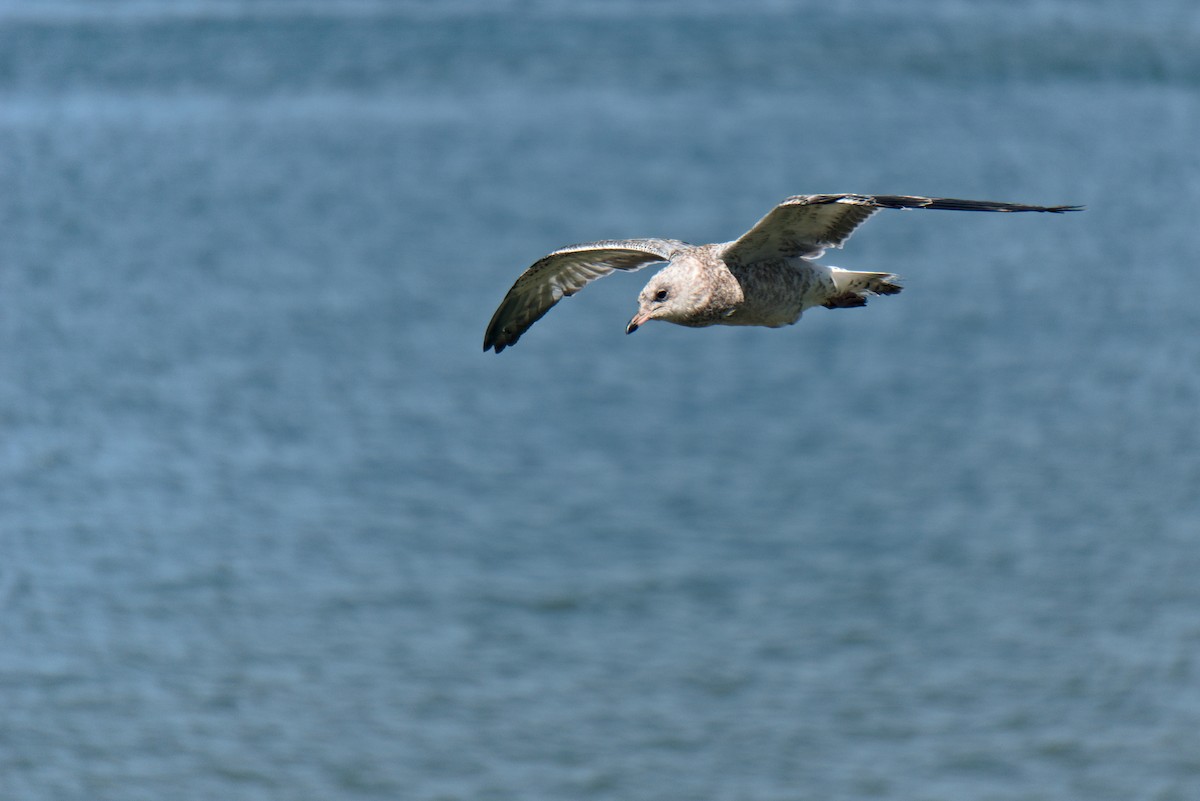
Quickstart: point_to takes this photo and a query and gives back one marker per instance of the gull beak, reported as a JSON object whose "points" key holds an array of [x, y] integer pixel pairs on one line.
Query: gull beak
{"points": [[638, 319]]}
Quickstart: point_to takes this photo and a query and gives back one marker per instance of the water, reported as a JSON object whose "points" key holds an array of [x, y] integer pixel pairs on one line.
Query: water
{"points": [[272, 527]]}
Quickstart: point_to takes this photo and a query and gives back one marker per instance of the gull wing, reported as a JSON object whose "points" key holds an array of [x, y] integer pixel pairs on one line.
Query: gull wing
{"points": [[805, 225], [563, 273]]}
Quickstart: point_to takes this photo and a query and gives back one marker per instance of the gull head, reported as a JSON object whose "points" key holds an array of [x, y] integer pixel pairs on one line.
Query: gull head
{"points": [[668, 296]]}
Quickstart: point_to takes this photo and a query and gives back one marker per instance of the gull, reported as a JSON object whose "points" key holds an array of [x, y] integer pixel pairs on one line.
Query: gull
{"points": [[768, 276]]}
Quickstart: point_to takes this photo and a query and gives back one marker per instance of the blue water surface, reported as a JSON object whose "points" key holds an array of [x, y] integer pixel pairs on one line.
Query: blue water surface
{"points": [[273, 527]]}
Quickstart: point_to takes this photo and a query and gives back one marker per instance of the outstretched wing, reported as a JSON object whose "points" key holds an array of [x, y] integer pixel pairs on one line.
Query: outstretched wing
{"points": [[805, 225], [563, 273]]}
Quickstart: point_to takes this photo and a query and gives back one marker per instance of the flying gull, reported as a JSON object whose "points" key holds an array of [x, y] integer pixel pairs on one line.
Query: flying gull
{"points": [[767, 277]]}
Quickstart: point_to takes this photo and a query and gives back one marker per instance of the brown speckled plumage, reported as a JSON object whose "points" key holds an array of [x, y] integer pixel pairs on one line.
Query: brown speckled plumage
{"points": [[766, 277]]}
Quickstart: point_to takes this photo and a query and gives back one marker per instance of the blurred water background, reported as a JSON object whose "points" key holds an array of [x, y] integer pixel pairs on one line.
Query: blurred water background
{"points": [[273, 527]]}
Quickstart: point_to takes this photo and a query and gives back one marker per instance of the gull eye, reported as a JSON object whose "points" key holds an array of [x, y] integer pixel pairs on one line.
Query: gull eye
{"points": [[660, 295]]}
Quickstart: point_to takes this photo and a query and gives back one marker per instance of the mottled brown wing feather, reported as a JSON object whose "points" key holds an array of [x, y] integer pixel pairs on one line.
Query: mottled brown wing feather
{"points": [[563, 273], [805, 225]]}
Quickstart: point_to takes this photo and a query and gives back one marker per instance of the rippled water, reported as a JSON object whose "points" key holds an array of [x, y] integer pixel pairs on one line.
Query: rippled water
{"points": [[272, 527]]}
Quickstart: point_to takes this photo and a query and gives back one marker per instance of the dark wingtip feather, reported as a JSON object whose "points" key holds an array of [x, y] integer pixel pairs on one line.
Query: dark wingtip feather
{"points": [[498, 340], [957, 204], [954, 204]]}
